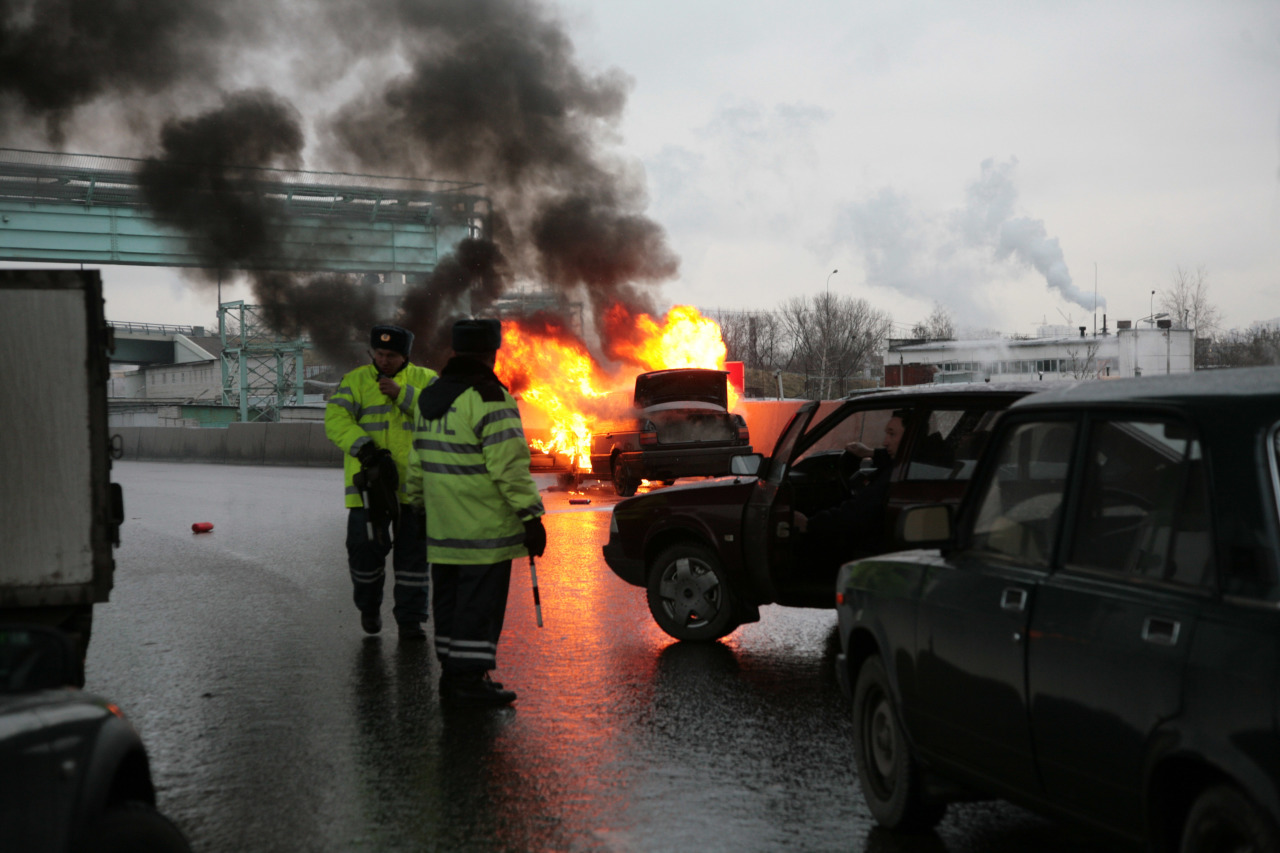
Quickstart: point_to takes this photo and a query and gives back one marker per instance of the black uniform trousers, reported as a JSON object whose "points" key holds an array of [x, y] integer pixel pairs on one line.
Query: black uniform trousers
{"points": [[367, 557], [469, 604]]}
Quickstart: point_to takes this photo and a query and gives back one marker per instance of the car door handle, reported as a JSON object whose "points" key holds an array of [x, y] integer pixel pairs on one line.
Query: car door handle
{"points": [[1162, 632], [1013, 599]]}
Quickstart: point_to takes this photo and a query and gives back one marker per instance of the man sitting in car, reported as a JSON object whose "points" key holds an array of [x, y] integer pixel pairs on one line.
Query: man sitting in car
{"points": [[855, 527]]}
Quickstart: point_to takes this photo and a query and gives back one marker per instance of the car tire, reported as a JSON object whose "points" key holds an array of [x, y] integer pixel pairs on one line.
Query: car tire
{"points": [[135, 827], [1223, 818], [690, 596], [887, 771], [622, 484]]}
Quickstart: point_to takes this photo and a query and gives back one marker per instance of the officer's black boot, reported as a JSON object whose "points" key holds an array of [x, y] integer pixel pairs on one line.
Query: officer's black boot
{"points": [[474, 689]]}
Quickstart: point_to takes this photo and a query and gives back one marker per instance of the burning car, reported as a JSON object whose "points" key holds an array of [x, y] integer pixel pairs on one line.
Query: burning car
{"points": [[680, 427]]}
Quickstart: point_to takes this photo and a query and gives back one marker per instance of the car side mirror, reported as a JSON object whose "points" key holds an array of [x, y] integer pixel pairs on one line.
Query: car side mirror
{"points": [[36, 657], [746, 465], [928, 526]]}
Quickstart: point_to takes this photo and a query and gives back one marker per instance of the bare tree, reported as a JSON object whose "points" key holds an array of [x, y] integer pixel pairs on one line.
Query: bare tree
{"points": [[938, 326], [1254, 347], [831, 338], [1187, 301], [753, 337], [1082, 363]]}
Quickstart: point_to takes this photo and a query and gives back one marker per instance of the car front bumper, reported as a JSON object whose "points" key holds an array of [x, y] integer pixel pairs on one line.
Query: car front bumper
{"points": [[630, 569]]}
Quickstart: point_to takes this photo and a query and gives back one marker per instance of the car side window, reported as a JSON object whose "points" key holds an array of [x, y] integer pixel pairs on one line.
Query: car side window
{"points": [[950, 444], [1143, 506], [864, 426], [1018, 511]]}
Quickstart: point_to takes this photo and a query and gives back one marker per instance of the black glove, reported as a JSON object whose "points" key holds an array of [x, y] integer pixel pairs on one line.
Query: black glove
{"points": [[369, 453], [535, 537]]}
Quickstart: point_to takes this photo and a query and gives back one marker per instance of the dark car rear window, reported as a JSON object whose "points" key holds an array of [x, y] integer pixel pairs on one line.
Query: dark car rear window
{"points": [[676, 386]]}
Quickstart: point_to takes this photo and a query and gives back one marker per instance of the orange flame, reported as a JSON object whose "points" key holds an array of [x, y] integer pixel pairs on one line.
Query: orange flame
{"points": [[551, 370]]}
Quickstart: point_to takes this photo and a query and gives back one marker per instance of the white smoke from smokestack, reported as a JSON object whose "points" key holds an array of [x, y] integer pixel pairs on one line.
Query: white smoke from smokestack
{"points": [[988, 220], [948, 257]]}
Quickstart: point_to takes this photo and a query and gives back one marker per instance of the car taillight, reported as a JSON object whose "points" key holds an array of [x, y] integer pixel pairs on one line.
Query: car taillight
{"points": [[648, 433], [744, 435]]}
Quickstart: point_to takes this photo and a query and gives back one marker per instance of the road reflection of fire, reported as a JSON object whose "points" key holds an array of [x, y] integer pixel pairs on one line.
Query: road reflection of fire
{"points": [[553, 372]]}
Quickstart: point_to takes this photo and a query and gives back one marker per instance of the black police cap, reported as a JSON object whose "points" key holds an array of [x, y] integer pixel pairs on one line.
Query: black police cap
{"points": [[393, 338], [477, 335]]}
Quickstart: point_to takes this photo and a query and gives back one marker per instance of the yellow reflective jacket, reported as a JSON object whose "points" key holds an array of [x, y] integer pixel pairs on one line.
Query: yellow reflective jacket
{"points": [[358, 412], [471, 466]]}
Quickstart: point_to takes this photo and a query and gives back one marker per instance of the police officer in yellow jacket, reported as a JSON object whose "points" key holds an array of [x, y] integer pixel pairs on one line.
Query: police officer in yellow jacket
{"points": [[483, 509], [370, 417]]}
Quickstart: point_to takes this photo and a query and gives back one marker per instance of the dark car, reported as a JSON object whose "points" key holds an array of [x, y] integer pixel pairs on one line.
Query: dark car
{"points": [[1098, 635], [711, 553], [679, 426], [74, 774]]}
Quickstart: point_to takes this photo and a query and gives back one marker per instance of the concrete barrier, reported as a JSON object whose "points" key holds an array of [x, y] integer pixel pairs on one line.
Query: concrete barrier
{"points": [[247, 444], [303, 444], [321, 451], [288, 444], [128, 441]]}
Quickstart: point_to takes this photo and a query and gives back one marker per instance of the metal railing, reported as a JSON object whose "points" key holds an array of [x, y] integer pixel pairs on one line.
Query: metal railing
{"points": [[91, 179], [154, 329]]}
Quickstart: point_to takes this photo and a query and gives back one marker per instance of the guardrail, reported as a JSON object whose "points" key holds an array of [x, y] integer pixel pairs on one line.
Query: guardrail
{"points": [[156, 329]]}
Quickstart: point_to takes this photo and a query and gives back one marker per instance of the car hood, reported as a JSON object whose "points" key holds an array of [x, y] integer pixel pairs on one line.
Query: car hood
{"points": [[715, 491]]}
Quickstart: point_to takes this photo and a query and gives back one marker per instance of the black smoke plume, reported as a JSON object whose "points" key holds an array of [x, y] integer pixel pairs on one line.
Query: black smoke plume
{"points": [[59, 55], [232, 226], [463, 283], [495, 94], [191, 186], [487, 90]]}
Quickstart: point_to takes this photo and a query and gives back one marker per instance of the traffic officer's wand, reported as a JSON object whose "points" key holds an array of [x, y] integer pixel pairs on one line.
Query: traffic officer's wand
{"points": [[537, 602]]}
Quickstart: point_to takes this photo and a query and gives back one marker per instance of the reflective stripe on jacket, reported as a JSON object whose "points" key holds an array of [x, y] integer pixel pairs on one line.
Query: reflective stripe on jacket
{"points": [[473, 471], [358, 412]]}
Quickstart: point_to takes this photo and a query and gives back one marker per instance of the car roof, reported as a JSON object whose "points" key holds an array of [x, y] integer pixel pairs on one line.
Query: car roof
{"points": [[1245, 384], [950, 389]]}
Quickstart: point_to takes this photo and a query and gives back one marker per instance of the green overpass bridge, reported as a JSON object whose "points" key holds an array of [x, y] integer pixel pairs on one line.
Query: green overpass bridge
{"points": [[77, 208], [90, 209]]}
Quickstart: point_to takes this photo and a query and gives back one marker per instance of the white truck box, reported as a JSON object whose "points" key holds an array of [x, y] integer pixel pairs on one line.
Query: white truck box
{"points": [[59, 512]]}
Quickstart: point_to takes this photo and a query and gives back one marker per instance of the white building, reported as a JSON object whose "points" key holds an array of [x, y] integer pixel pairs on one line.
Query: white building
{"points": [[1128, 352]]}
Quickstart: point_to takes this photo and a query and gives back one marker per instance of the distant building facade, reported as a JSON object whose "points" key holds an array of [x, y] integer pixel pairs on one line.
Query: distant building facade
{"points": [[1057, 358]]}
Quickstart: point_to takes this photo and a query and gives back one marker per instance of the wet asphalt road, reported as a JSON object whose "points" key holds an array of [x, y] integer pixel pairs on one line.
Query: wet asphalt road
{"points": [[275, 724]]}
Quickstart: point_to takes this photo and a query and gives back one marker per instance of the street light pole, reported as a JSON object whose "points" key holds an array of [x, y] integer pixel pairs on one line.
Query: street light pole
{"points": [[1151, 311], [826, 333]]}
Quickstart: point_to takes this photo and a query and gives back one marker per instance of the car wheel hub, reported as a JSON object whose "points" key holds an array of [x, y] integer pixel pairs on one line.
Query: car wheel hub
{"points": [[690, 592], [882, 737]]}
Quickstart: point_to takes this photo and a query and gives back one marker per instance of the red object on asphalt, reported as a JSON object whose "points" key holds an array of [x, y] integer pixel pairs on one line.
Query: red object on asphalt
{"points": [[202, 527], [579, 500]]}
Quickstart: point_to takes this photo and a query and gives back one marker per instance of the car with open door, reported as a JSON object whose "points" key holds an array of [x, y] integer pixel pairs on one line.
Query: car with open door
{"points": [[710, 553], [1095, 632]]}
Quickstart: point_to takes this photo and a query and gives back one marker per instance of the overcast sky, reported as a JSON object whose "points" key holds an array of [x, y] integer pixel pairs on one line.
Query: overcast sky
{"points": [[984, 156]]}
